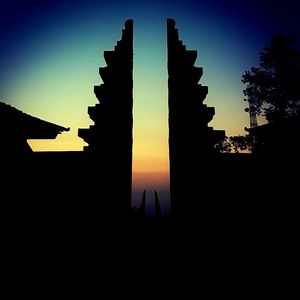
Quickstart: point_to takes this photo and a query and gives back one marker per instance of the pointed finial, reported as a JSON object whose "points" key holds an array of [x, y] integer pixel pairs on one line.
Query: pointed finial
{"points": [[142, 208], [157, 205]]}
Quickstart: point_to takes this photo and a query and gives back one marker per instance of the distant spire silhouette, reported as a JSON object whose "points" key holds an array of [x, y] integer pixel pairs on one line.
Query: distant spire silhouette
{"points": [[157, 205], [252, 114], [142, 208], [110, 138]]}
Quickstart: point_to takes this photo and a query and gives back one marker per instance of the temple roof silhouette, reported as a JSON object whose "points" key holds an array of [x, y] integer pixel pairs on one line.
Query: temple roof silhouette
{"points": [[15, 121], [279, 137]]}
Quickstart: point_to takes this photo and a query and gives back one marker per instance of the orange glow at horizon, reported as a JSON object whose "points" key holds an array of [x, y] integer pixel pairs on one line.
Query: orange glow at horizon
{"points": [[150, 151]]}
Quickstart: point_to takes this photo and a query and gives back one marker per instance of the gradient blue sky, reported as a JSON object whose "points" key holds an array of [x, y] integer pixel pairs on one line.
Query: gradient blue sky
{"points": [[51, 50]]}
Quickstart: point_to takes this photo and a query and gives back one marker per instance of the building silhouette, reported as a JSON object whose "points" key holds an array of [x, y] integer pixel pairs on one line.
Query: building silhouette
{"points": [[109, 140], [191, 140], [16, 127], [276, 140]]}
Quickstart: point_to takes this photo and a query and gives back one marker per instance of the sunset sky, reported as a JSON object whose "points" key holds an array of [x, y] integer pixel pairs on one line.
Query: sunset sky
{"points": [[51, 51]]}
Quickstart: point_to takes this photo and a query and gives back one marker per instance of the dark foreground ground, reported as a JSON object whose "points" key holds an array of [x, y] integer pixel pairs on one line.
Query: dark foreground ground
{"points": [[241, 236], [61, 195]]}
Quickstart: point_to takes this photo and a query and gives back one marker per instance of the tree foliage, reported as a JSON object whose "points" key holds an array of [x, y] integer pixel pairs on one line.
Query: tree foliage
{"points": [[273, 88], [237, 144]]}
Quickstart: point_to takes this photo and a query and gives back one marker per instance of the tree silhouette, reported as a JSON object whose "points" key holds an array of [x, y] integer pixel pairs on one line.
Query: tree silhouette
{"points": [[237, 144], [273, 88]]}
